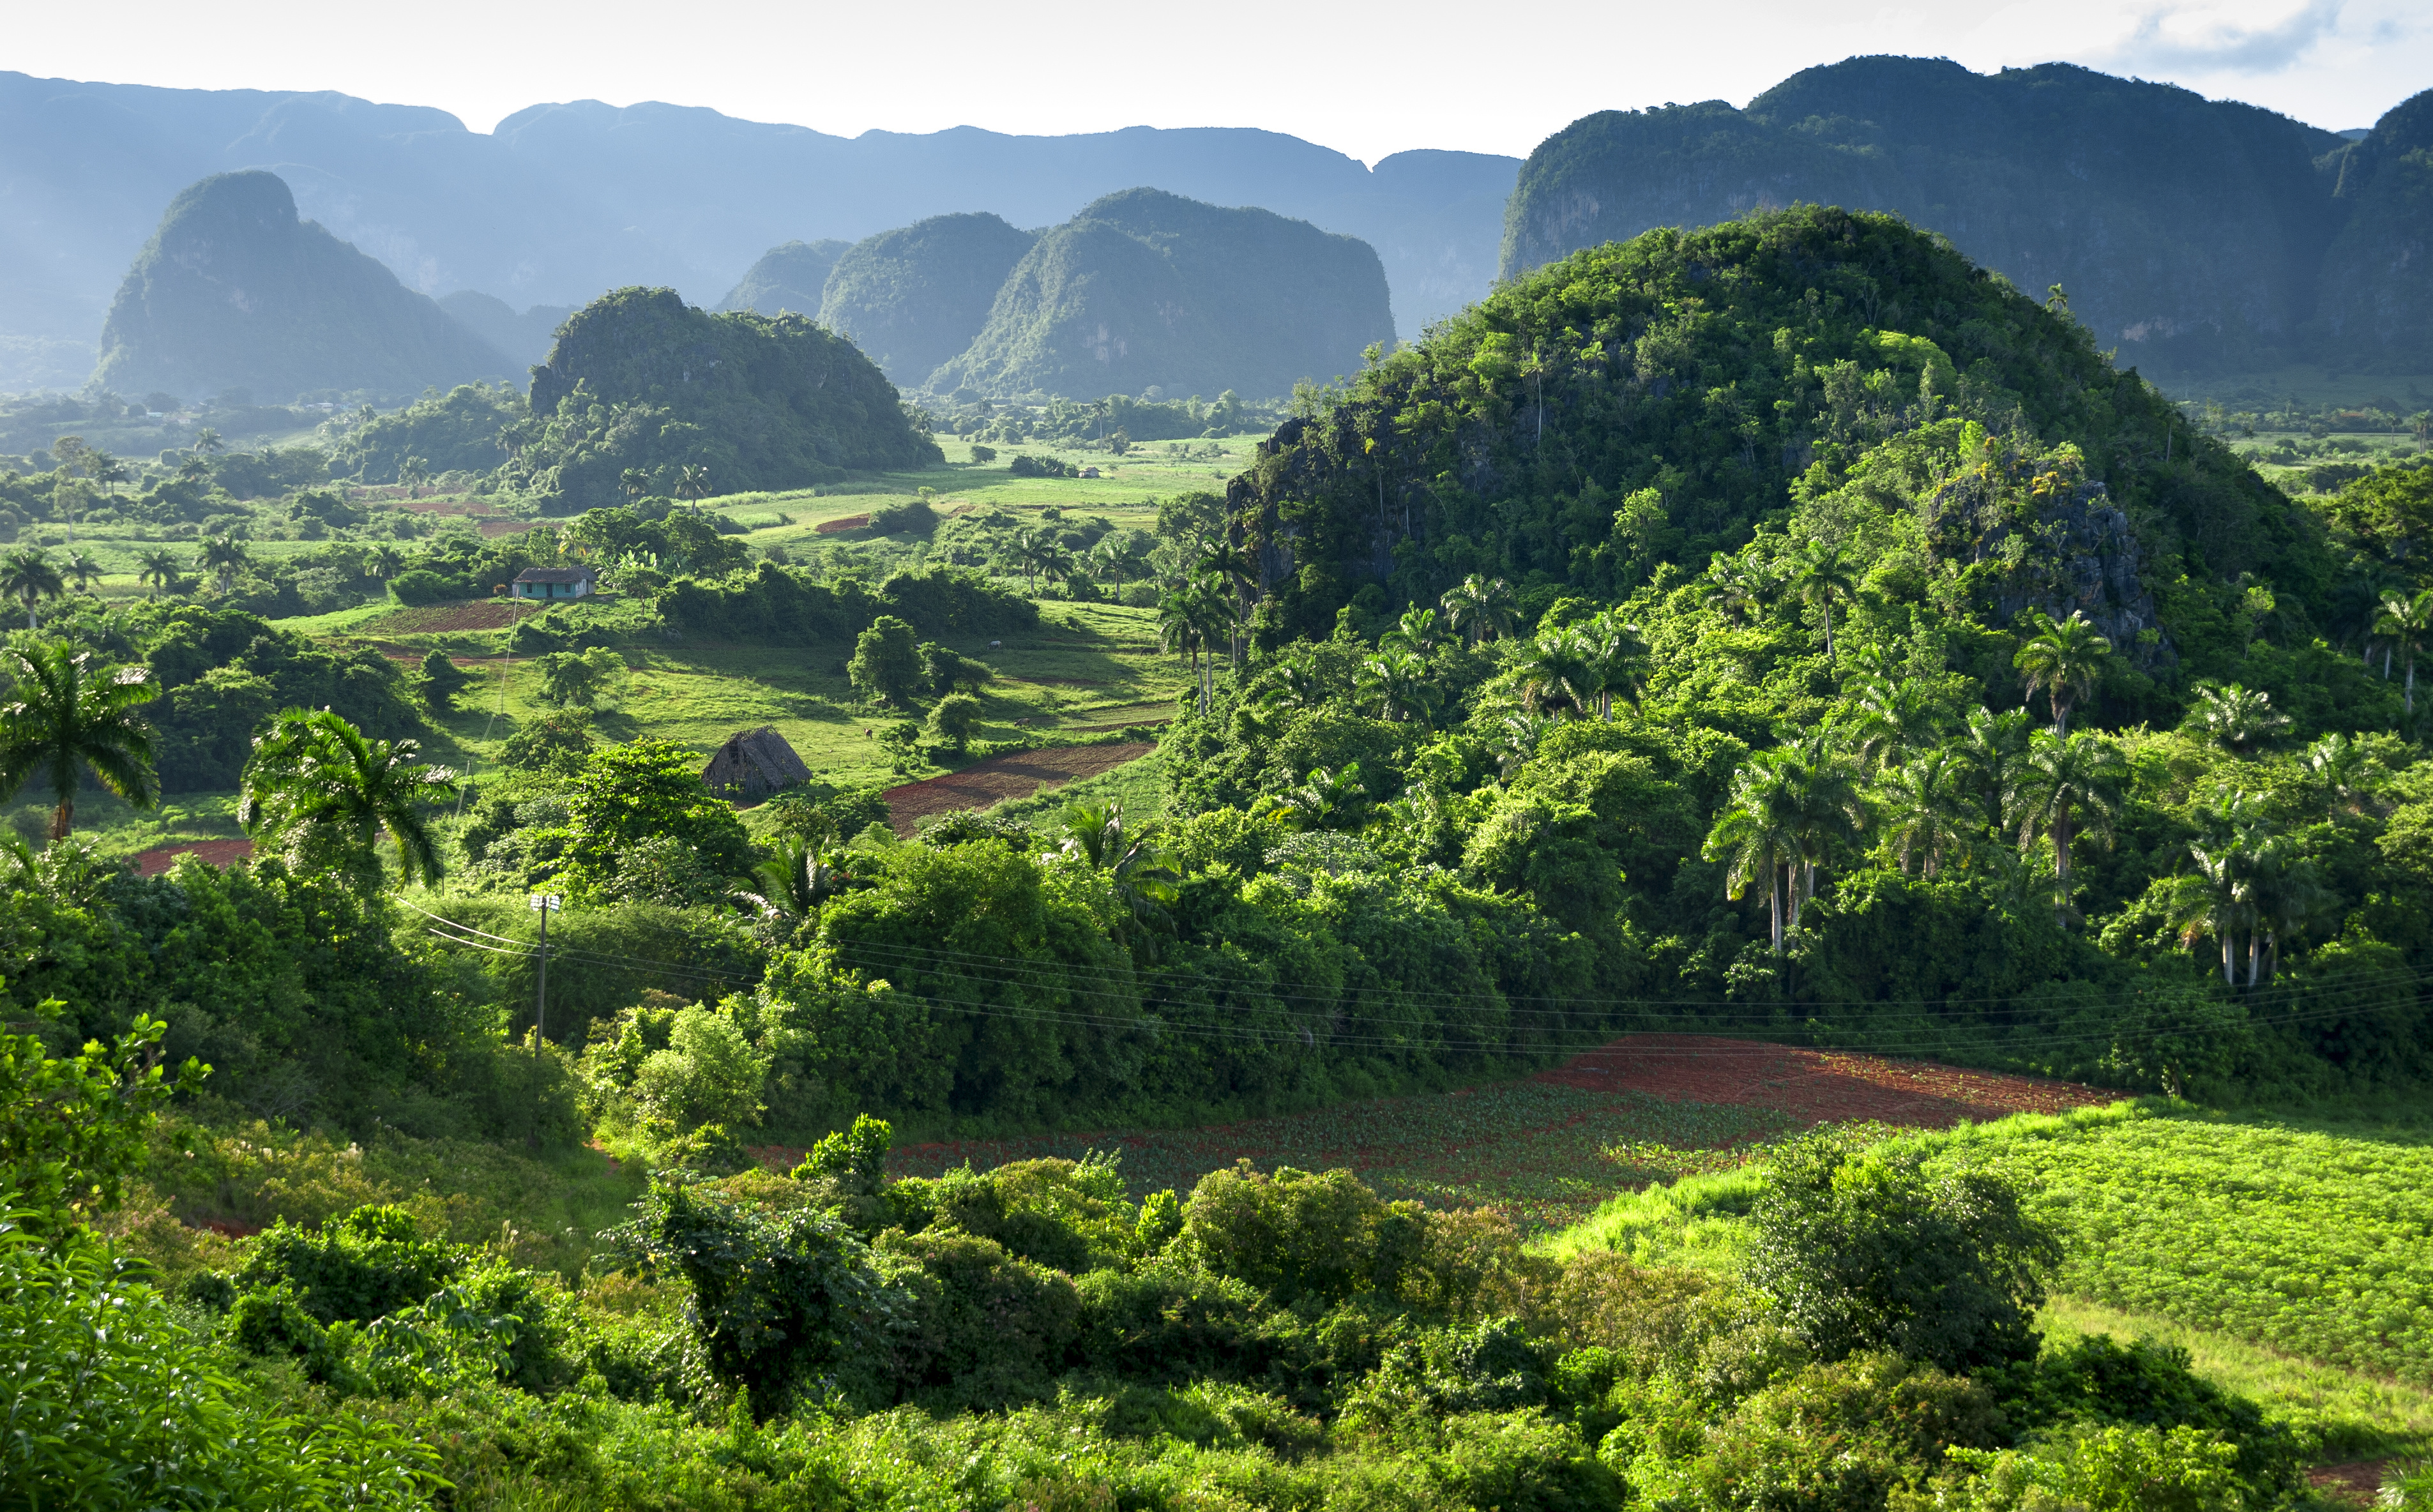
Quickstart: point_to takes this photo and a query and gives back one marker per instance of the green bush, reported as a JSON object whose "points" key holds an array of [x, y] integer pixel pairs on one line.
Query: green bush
{"points": [[356, 1268], [1296, 1235]]}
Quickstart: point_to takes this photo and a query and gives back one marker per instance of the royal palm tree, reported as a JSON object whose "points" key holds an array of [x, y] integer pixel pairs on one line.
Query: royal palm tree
{"points": [[2347, 770], [70, 716], [693, 482], [1400, 683], [1735, 586], [2236, 719], [1756, 836], [1478, 608], [2404, 623], [29, 577], [1827, 810], [158, 568], [414, 472], [1616, 655], [795, 881], [2069, 789], [326, 793], [384, 562], [1558, 678], [81, 571], [2065, 659], [1820, 575], [1890, 717], [2219, 900], [1415, 631], [1329, 800], [223, 557], [1926, 807], [1993, 745]]}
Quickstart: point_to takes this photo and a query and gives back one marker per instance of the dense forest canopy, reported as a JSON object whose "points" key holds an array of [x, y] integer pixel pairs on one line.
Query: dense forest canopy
{"points": [[915, 297], [786, 278], [641, 383]]}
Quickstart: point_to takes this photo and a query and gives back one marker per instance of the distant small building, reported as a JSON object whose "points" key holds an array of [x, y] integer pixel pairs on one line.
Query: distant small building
{"points": [[754, 764], [555, 582]]}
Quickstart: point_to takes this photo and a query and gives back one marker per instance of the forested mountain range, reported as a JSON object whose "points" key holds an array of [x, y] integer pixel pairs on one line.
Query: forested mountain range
{"points": [[563, 201], [2194, 234]]}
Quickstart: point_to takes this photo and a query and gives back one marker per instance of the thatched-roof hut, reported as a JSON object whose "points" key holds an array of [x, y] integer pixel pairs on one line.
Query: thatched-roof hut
{"points": [[754, 764]]}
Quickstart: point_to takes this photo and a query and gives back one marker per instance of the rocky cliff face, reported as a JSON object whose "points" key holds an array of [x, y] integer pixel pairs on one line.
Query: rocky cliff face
{"points": [[2189, 233]]}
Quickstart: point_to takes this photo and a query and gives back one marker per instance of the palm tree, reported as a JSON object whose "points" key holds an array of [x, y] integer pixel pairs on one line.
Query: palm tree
{"points": [[1557, 677], [384, 562], [81, 571], [2348, 772], [1143, 872], [1415, 631], [1754, 835], [1330, 799], [1295, 682], [1479, 609], [158, 568], [1214, 610], [2065, 660], [29, 577], [1926, 807], [223, 555], [1890, 716], [70, 716], [2218, 901], [413, 473], [318, 785], [208, 442], [1827, 809], [2069, 789], [2405, 623], [1400, 683], [1616, 655], [795, 881], [2289, 894], [1819, 575], [693, 482], [107, 471], [2236, 719], [1735, 586], [1190, 623], [1993, 745]]}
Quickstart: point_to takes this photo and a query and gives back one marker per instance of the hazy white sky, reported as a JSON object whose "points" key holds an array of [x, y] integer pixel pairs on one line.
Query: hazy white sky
{"points": [[1368, 79]]}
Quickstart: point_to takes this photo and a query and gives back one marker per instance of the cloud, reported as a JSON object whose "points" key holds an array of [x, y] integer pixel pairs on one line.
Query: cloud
{"points": [[2214, 46]]}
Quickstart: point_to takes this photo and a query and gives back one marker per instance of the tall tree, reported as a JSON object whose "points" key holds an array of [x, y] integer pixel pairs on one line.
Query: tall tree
{"points": [[2069, 789], [29, 577], [224, 556], [158, 568], [2236, 719], [81, 569], [2064, 659], [70, 716], [1820, 576], [2405, 625], [1756, 836], [1926, 807], [319, 789], [1479, 608]]}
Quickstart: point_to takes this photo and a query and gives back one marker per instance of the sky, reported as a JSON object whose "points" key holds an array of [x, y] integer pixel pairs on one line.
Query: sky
{"points": [[1367, 79]]}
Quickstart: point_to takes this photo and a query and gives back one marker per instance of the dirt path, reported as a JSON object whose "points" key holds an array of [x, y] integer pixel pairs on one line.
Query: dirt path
{"points": [[1817, 1085], [999, 779]]}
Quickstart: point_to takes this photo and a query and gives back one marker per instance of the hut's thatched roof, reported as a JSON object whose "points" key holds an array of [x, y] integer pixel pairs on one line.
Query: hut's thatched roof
{"points": [[754, 764]]}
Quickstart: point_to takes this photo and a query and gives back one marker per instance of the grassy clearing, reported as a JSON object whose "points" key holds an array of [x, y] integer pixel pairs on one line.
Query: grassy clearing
{"points": [[2344, 1413]]}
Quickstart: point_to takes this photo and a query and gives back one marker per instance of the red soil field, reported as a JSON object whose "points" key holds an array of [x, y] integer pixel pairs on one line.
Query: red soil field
{"points": [[210, 852], [840, 524], [1816, 1085], [1018, 776]]}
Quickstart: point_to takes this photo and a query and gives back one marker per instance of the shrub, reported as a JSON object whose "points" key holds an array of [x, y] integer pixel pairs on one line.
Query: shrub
{"points": [[708, 1074], [423, 586], [885, 663], [1296, 1235], [358, 1267], [1862, 1250], [904, 517], [1029, 467], [985, 1327], [954, 717]]}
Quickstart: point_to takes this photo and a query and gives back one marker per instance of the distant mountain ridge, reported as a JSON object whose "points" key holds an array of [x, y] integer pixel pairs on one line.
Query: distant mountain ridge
{"points": [[235, 292], [1145, 290], [2193, 233], [562, 202]]}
